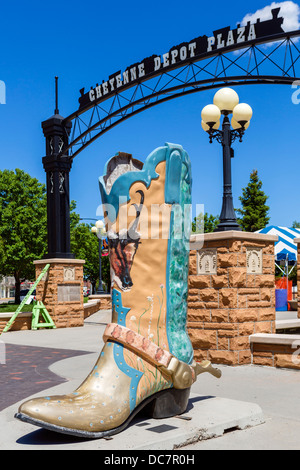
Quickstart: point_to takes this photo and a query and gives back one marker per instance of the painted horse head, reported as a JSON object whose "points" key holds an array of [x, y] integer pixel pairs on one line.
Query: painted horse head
{"points": [[122, 249]]}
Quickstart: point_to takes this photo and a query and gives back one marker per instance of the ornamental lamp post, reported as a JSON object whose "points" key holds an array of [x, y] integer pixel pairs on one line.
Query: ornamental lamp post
{"points": [[99, 230], [226, 102]]}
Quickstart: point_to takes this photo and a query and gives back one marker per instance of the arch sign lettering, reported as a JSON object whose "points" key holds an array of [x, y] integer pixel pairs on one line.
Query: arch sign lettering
{"points": [[227, 57], [202, 47]]}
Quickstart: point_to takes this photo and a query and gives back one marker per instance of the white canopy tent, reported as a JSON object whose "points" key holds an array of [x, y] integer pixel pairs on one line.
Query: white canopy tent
{"points": [[285, 248]]}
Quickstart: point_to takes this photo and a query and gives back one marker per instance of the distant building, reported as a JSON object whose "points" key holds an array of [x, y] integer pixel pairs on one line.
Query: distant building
{"points": [[7, 287]]}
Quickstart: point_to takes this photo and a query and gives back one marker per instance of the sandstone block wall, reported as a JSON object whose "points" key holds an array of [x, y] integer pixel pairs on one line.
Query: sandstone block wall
{"points": [[277, 350], [105, 300], [22, 321], [225, 307], [274, 355], [91, 307]]}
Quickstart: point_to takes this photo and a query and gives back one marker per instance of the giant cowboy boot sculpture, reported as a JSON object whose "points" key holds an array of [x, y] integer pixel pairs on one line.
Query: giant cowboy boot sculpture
{"points": [[147, 359]]}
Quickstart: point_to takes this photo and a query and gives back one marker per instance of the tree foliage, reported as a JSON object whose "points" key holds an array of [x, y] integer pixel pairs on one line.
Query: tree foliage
{"points": [[254, 211], [85, 245], [205, 223], [23, 225], [23, 231], [296, 224]]}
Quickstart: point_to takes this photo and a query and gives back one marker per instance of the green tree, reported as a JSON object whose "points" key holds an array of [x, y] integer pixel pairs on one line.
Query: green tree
{"points": [[23, 225], [254, 211], [296, 224], [2, 254], [205, 223], [23, 231], [74, 217], [85, 245]]}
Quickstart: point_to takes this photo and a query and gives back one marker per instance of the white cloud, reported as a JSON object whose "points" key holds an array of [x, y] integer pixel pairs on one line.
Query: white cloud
{"points": [[290, 11]]}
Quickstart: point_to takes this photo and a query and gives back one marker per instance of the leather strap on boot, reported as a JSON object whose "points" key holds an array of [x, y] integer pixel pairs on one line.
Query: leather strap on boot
{"points": [[182, 375]]}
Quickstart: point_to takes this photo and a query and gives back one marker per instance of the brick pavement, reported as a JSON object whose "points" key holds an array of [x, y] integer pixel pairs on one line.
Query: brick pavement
{"points": [[26, 371]]}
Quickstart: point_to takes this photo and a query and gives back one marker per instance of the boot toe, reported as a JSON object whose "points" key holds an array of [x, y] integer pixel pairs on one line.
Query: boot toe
{"points": [[73, 415], [39, 409]]}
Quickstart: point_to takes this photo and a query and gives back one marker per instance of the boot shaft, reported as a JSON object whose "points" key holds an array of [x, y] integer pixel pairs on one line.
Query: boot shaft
{"points": [[146, 361], [147, 211]]}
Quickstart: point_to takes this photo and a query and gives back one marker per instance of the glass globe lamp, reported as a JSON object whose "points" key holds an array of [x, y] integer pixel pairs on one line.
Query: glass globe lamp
{"points": [[242, 113], [226, 100], [210, 115]]}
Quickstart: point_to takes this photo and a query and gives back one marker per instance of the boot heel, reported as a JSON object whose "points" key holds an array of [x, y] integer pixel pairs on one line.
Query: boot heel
{"points": [[168, 403]]}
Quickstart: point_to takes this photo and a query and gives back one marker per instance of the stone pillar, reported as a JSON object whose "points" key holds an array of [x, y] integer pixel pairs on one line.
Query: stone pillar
{"points": [[297, 241], [57, 165], [61, 291], [231, 294]]}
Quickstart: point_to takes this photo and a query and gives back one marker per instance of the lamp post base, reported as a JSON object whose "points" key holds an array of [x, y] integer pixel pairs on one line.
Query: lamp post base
{"points": [[228, 225], [100, 291]]}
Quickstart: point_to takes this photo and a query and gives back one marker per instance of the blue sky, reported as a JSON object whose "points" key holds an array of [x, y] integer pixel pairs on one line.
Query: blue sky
{"points": [[85, 42]]}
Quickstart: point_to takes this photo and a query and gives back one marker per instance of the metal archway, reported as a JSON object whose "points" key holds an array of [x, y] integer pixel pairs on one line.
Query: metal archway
{"points": [[227, 58], [229, 66]]}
